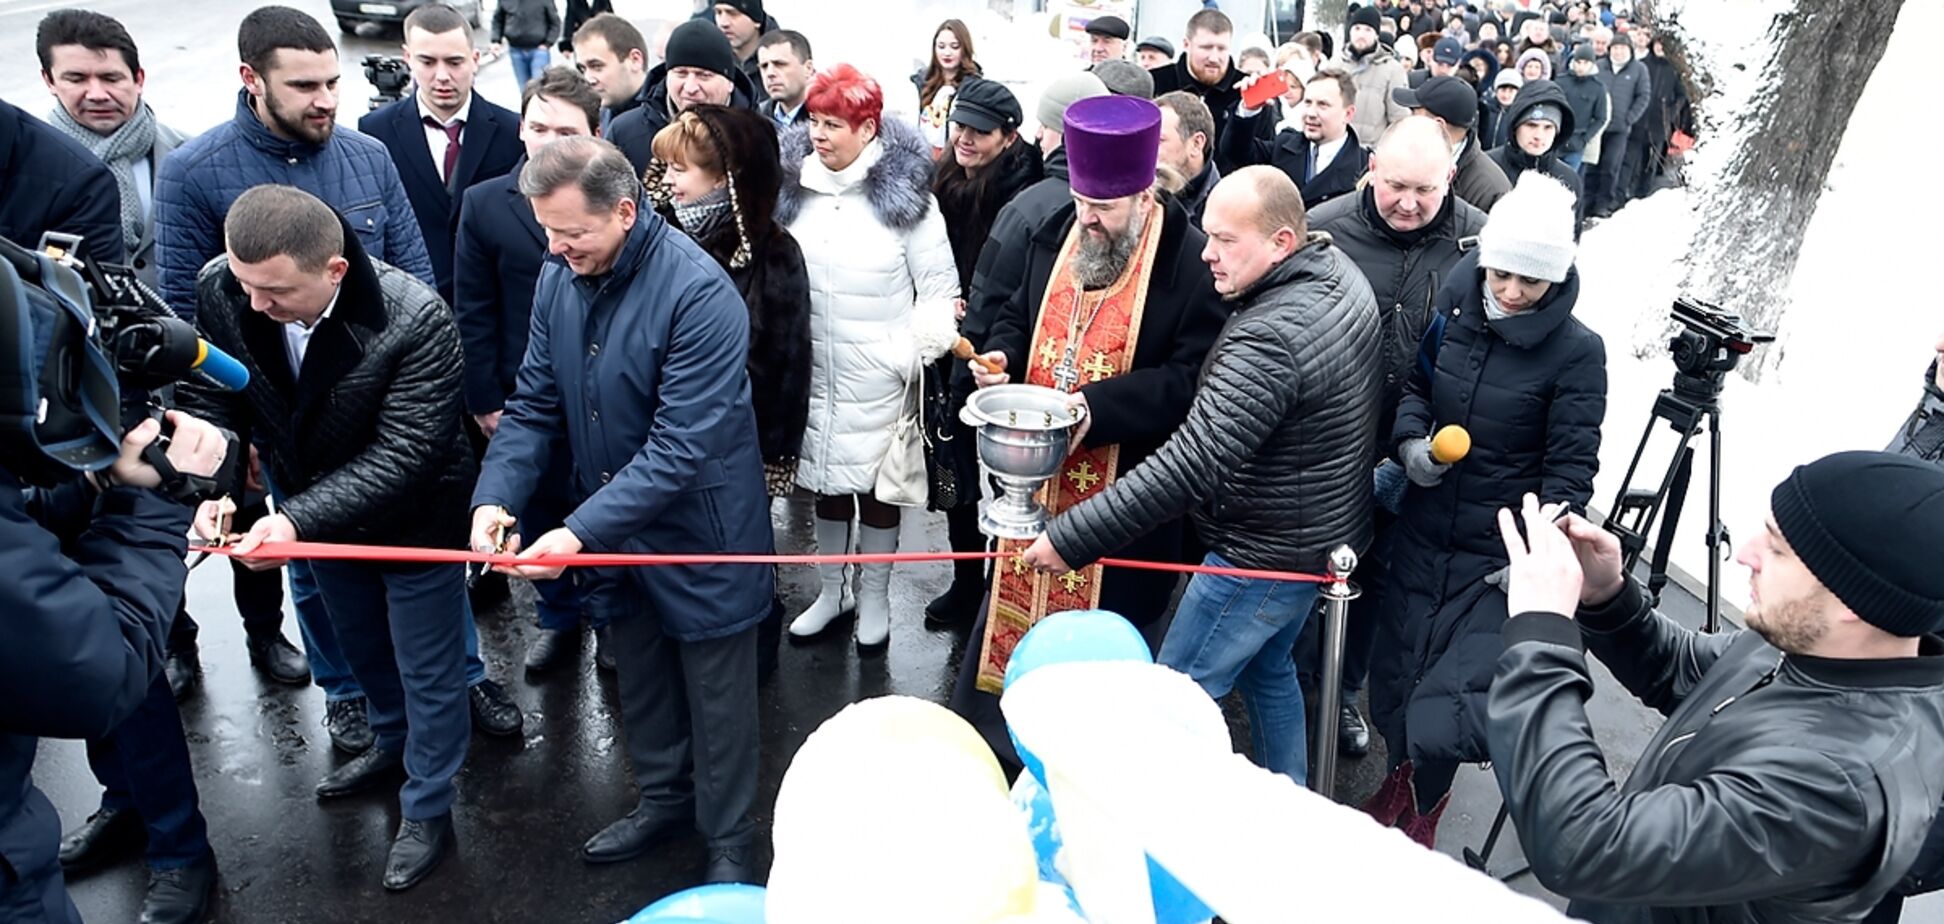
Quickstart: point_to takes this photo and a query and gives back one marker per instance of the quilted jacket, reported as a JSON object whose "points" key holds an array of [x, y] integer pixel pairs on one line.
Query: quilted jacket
{"points": [[1275, 456], [351, 172], [881, 280], [366, 438]]}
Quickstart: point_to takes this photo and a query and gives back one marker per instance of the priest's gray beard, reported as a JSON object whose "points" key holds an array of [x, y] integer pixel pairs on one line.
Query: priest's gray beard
{"points": [[1099, 262]]}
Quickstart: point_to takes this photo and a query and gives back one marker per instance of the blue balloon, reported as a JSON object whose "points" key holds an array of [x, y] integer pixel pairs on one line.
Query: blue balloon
{"points": [[727, 903], [1063, 638], [1067, 637]]}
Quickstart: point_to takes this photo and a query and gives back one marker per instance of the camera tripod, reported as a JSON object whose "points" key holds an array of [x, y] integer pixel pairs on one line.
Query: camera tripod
{"points": [[1688, 406]]}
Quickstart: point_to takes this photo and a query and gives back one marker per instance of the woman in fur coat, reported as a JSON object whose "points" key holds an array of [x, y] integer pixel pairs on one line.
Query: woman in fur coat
{"points": [[856, 195]]}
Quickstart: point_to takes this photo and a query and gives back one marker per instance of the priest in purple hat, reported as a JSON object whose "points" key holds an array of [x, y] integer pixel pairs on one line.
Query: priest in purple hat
{"points": [[1118, 311]]}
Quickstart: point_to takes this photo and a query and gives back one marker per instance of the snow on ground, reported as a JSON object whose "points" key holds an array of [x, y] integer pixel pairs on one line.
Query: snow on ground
{"points": [[1864, 318]]}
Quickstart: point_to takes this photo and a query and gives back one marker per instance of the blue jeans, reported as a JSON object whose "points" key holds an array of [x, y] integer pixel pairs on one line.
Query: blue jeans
{"points": [[402, 629], [329, 668], [1237, 633], [528, 63]]}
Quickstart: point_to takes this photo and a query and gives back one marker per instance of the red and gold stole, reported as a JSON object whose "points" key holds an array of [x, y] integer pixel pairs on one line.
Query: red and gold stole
{"points": [[1107, 324]]}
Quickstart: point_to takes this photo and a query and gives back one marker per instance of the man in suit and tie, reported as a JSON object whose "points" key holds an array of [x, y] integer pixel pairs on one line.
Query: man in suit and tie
{"points": [[500, 249], [445, 137]]}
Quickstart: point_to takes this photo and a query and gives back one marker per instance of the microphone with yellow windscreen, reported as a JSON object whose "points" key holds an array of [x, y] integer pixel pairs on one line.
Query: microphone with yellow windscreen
{"points": [[1450, 445]]}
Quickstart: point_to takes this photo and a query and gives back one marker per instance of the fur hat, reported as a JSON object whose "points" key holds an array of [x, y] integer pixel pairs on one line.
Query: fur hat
{"points": [[1530, 230]]}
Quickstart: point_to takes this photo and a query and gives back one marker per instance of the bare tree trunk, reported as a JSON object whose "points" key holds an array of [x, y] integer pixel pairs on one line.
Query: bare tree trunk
{"points": [[1325, 16], [1753, 218]]}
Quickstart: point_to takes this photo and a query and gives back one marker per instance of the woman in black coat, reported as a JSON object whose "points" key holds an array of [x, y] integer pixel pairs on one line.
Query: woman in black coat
{"points": [[985, 165], [715, 175], [1506, 360]]}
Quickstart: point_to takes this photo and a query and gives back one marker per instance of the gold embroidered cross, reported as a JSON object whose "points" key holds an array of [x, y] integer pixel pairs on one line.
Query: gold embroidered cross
{"points": [[1083, 477], [1074, 580], [1049, 353], [1098, 367], [1019, 565]]}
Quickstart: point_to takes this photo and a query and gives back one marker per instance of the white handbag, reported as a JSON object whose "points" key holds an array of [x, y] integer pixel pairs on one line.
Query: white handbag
{"points": [[901, 478]]}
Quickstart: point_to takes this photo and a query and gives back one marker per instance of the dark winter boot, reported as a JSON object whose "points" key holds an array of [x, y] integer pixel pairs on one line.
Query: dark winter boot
{"points": [[1394, 798]]}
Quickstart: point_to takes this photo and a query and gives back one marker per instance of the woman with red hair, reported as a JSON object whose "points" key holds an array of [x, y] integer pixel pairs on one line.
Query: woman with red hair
{"points": [[856, 196]]}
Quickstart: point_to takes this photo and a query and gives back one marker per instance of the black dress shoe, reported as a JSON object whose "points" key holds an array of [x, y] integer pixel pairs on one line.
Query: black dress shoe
{"points": [[363, 772], [957, 606], [278, 659], [635, 833], [183, 667], [180, 896], [417, 848], [552, 648], [730, 864], [108, 836], [604, 648], [349, 726], [1353, 736], [493, 711]]}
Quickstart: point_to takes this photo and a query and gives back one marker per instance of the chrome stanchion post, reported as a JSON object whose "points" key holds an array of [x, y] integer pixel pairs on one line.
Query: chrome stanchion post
{"points": [[1337, 594]]}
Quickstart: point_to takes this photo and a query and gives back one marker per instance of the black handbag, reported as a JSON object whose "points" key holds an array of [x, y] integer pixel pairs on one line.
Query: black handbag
{"points": [[942, 433]]}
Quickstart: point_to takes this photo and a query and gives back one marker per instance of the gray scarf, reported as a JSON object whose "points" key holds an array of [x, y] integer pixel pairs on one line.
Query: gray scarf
{"points": [[129, 143], [702, 216]]}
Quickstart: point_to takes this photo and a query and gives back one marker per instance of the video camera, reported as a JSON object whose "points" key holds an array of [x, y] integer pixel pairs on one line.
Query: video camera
{"points": [[390, 77], [1712, 340], [83, 349]]}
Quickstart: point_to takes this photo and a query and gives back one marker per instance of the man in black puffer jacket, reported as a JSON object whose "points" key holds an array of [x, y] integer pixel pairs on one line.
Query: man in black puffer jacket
{"points": [[700, 68], [1542, 122], [1404, 231], [1508, 362], [1274, 459], [355, 403]]}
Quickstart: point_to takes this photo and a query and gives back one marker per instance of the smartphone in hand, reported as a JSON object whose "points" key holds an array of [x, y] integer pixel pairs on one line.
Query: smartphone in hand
{"points": [[1267, 87]]}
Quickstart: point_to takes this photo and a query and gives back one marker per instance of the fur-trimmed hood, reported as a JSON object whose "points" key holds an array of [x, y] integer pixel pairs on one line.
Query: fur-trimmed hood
{"points": [[898, 186]]}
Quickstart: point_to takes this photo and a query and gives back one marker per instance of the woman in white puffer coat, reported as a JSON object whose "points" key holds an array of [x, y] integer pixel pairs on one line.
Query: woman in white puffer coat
{"points": [[857, 197]]}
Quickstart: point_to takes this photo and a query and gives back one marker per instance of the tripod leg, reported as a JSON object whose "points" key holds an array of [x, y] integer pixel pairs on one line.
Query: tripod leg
{"points": [[1717, 530], [1664, 540], [1477, 859]]}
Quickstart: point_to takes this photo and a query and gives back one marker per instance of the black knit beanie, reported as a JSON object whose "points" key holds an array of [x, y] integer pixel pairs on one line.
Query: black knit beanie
{"points": [[1870, 527], [701, 45], [750, 8], [1367, 16]]}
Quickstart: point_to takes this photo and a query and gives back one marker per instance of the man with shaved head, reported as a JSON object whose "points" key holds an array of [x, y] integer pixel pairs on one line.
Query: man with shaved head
{"points": [[1285, 417], [1402, 230]]}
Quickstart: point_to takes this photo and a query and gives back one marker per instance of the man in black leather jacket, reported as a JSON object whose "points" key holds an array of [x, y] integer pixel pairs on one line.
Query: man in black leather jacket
{"points": [[1802, 759], [1274, 458], [355, 404]]}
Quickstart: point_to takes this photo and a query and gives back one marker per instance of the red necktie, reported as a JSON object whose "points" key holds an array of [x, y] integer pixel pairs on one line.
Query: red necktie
{"points": [[452, 144]]}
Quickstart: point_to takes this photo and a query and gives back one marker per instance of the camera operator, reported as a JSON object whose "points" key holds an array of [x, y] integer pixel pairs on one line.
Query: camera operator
{"points": [[1922, 435], [1801, 761], [95, 572]]}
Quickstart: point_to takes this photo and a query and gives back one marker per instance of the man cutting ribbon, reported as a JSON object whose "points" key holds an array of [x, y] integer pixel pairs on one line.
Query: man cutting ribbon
{"points": [[1119, 312]]}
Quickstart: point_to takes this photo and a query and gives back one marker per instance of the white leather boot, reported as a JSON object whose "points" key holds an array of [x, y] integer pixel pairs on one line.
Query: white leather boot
{"points": [[835, 601], [874, 587]]}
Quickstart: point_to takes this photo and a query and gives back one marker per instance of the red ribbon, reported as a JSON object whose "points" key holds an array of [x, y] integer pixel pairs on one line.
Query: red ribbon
{"points": [[333, 551]]}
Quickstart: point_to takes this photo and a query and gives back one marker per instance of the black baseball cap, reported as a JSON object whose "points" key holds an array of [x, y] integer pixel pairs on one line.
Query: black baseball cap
{"points": [[1448, 98], [1448, 51], [1110, 26], [985, 105]]}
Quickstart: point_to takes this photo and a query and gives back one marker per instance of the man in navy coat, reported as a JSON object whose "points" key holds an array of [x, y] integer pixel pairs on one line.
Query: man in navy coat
{"points": [[496, 263], [635, 363], [444, 138]]}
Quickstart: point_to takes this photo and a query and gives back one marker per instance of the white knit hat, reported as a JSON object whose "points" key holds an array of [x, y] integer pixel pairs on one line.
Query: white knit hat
{"points": [[1530, 230]]}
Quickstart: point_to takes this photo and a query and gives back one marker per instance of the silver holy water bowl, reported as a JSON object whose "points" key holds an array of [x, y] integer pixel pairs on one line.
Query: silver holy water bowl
{"points": [[1023, 432]]}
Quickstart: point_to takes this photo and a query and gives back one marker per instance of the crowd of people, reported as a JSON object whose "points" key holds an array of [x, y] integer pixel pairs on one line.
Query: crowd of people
{"points": [[675, 284]]}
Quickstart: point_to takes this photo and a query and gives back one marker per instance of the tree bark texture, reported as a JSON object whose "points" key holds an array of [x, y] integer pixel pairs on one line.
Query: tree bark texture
{"points": [[1752, 220]]}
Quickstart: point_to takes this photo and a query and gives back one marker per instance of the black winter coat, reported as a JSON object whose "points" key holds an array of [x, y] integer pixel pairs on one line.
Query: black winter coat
{"points": [[1289, 151], [527, 23], [578, 13], [776, 287], [1001, 267], [1405, 272], [634, 131], [72, 190], [1513, 160], [970, 207], [1494, 130], [1586, 99], [1531, 389], [1629, 91], [1138, 409], [367, 440], [1222, 98], [1274, 458], [1784, 789], [1479, 181]]}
